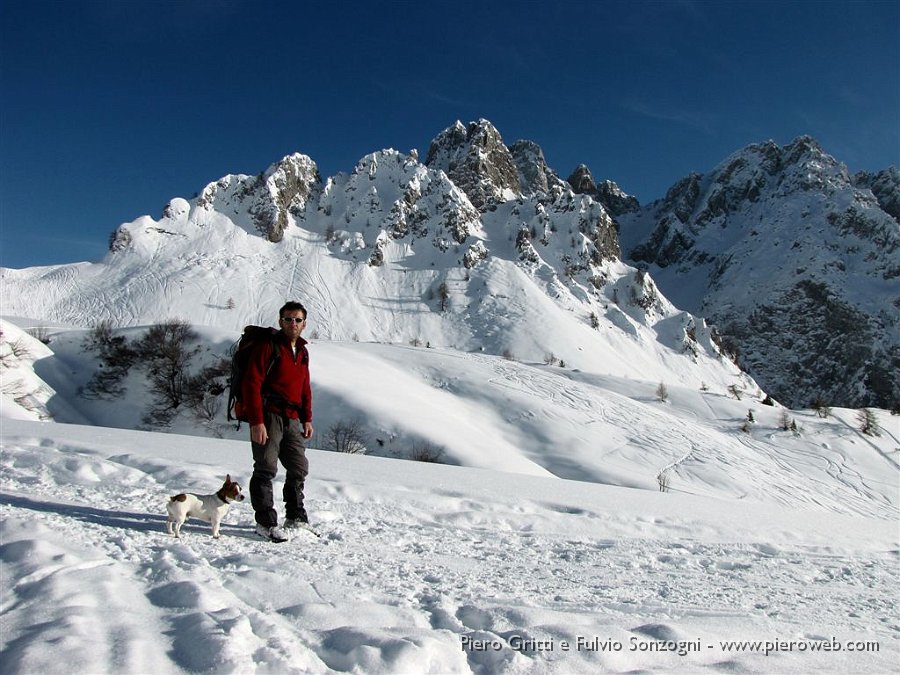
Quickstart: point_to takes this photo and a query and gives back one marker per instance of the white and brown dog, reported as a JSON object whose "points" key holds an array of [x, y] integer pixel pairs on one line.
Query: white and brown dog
{"points": [[211, 508]]}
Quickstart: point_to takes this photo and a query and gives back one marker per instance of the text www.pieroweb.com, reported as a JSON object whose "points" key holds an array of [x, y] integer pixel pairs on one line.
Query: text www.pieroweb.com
{"points": [[679, 647], [775, 646]]}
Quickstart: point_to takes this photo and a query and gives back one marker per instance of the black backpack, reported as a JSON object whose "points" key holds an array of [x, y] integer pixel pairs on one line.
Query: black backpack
{"points": [[240, 354]]}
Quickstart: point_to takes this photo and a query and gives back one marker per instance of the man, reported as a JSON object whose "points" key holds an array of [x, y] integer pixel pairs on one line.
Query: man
{"points": [[278, 404]]}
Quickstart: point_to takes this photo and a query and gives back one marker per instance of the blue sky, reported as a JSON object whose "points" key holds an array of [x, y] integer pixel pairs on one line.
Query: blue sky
{"points": [[110, 108]]}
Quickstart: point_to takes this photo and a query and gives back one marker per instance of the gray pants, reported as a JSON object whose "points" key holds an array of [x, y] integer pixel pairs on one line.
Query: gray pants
{"points": [[285, 444]]}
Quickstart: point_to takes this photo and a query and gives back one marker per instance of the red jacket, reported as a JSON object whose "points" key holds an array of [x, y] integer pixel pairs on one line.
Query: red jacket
{"points": [[286, 386]]}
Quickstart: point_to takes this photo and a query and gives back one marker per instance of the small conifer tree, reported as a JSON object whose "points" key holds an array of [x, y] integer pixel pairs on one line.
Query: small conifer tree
{"points": [[662, 392], [868, 422]]}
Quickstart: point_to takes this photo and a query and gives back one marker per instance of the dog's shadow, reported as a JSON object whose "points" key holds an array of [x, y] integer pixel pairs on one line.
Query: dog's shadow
{"points": [[141, 522]]}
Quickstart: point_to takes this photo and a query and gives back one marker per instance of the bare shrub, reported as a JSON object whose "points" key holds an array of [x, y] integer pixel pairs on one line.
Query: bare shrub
{"points": [[212, 381], [14, 389], [207, 408], [426, 452], [664, 480], [206, 411], [40, 333], [788, 423], [115, 356], [166, 355], [347, 436], [785, 424], [822, 410], [662, 392], [19, 349]]}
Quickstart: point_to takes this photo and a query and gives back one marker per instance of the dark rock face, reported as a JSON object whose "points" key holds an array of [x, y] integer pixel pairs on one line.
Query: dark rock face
{"points": [[614, 200], [885, 186], [535, 177], [288, 184], [777, 241], [477, 161], [830, 344], [582, 181]]}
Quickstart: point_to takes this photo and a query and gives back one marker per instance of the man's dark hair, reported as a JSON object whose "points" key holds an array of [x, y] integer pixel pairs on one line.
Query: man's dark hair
{"points": [[291, 307]]}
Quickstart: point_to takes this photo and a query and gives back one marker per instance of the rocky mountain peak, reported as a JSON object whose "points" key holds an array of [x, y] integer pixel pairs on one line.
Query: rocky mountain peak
{"points": [[793, 260], [681, 199], [582, 181], [803, 148], [477, 161], [289, 185], [772, 244], [885, 186], [270, 198], [535, 177], [615, 200]]}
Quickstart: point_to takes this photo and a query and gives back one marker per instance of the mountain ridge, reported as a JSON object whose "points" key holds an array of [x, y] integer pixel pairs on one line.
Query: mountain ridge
{"points": [[795, 261], [456, 251]]}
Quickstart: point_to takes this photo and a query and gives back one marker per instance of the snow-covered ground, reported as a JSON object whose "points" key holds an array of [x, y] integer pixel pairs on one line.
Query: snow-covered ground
{"points": [[547, 548], [420, 568]]}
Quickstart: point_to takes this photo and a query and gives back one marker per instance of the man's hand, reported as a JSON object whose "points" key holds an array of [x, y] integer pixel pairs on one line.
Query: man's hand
{"points": [[258, 434], [307, 430]]}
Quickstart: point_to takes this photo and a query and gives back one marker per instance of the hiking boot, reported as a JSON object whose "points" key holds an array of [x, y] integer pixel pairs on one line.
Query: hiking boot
{"points": [[273, 533], [296, 524]]}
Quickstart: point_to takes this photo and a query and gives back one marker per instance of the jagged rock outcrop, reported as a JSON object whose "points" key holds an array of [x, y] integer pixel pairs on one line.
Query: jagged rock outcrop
{"points": [[536, 179], [405, 199], [288, 184], [271, 198], [885, 186], [774, 246], [477, 161], [615, 200], [582, 181]]}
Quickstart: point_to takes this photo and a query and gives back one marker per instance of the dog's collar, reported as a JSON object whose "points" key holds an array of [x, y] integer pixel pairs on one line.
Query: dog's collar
{"points": [[222, 499]]}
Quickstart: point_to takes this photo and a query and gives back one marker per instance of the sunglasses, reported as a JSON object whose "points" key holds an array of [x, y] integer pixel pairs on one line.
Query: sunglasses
{"points": [[291, 319]]}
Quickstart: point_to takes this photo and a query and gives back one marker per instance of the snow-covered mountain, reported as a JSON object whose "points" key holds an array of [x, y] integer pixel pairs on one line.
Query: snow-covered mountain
{"points": [[482, 248], [795, 261]]}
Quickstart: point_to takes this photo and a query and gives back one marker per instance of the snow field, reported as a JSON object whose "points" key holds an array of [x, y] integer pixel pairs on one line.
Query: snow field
{"points": [[415, 561]]}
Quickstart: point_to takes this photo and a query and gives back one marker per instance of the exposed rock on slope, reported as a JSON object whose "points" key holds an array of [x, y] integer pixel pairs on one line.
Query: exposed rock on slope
{"points": [[796, 262]]}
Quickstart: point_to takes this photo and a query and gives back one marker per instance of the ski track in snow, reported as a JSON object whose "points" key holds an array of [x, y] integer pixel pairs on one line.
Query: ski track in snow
{"points": [[399, 577], [680, 439]]}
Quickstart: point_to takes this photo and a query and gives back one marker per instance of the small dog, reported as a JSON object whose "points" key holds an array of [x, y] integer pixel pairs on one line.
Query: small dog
{"points": [[211, 508]]}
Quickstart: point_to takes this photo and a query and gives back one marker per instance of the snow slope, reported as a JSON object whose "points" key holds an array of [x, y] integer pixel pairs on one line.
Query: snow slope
{"points": [[503, 564], [420, 568], [485, 411]]}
